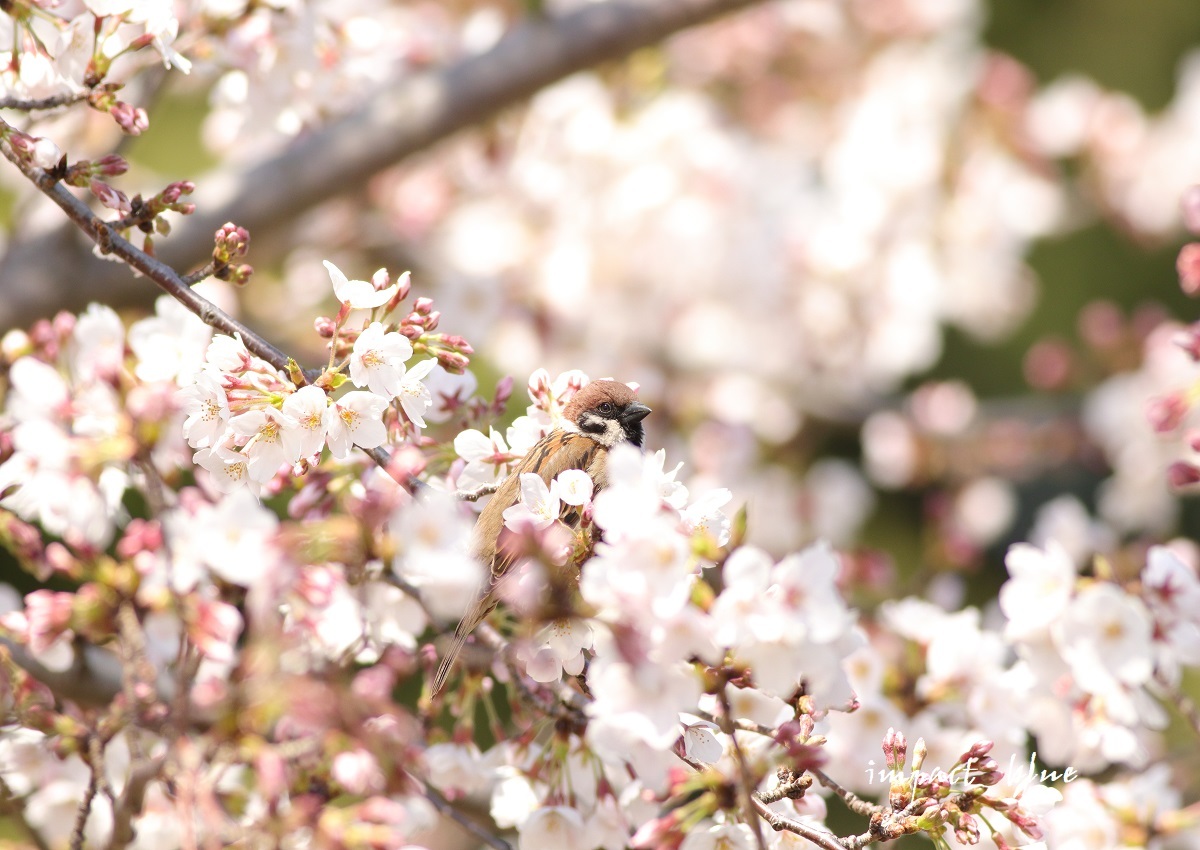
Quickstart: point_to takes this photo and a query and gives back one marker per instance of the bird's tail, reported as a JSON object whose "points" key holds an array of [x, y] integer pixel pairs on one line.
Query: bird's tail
{"points": [[476, 615]]}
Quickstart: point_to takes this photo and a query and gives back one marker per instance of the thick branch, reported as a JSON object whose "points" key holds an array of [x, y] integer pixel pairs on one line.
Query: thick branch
{"points": [[93, 679], [43, 274]]}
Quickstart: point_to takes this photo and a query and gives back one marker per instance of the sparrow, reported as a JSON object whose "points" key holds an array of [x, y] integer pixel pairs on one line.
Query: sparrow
{"points": [[599, 416]]}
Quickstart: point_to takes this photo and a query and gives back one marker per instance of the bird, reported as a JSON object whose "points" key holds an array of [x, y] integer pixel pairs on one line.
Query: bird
{"points": [[600, 415]]}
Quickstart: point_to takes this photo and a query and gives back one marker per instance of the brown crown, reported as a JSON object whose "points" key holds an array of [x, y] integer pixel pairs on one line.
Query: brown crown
{"points": [[596, 393]]}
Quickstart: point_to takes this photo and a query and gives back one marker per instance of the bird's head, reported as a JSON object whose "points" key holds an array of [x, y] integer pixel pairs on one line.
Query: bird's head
{"points": [[608, 412]]}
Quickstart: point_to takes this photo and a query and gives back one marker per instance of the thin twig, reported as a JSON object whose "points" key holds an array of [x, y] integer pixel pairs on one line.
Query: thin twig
{"points": [[192, 278], [129, 804], [444, 806], [478, 493], [853, 802], [36, 104], [779, 823], [85, 807], [748, 783]]}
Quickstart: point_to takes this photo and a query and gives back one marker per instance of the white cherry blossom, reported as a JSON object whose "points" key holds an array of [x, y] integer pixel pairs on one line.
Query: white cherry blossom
{"points": [[1105, 636], [554, 828], [306, 407], [267, 447], [575, 487], [378, 359], [358, 294], [355, 419], [229, 469], [207, 410], [413, 395], [539, 505], [1039, 589]]}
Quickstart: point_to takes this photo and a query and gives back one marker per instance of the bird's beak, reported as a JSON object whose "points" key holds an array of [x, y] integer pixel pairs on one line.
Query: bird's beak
{"points": [[635, 412]]}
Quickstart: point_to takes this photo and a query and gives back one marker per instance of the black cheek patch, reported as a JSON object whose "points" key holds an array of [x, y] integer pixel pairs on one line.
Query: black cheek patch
{"points": [[592, 425]]}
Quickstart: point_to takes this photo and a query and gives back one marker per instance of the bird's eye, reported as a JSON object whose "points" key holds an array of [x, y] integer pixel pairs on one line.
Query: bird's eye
{"points": [[606, 408]]}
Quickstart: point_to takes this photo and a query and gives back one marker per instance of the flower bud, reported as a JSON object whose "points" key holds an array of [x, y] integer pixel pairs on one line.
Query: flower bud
{"points": [[16, 343], [45, 154], [504, 389], [1188, 266], [431, 322], [920, 751], [1182, 474], [423, 306], [230, 241], [325, 327], [978, 750], [109, 165], [110, 197], [133, 121], [240, 276], [1190, 204], [452, 361], [405, 284]]}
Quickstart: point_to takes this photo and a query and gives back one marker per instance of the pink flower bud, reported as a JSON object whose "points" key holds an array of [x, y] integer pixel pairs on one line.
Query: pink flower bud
{"points": [[374, 684], [1049, 364], [130, 119], [60, 559], [215, 628], [140, 536], [1166, 413], [49, 615], [271, 772], [177, 190], [1182, 474], [325, 327], [64, 324], [232, 241], [112, 198], [1191, 209], [110, 165], [504, 390], [1188, 266], [422, 306], [452, 361], [431, 322]]}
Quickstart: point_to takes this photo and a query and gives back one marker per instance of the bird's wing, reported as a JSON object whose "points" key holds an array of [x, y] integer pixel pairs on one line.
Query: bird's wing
{"points": [[554, 453]]}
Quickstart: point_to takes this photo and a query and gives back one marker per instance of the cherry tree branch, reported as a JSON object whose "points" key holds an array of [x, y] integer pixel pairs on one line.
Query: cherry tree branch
{"points": [[166, 278], [93, 679], [447, 808], [36, 104], [42, 274]]}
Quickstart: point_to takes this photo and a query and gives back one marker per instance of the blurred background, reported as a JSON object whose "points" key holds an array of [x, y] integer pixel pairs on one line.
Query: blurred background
{"points": [[899, 273]]}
